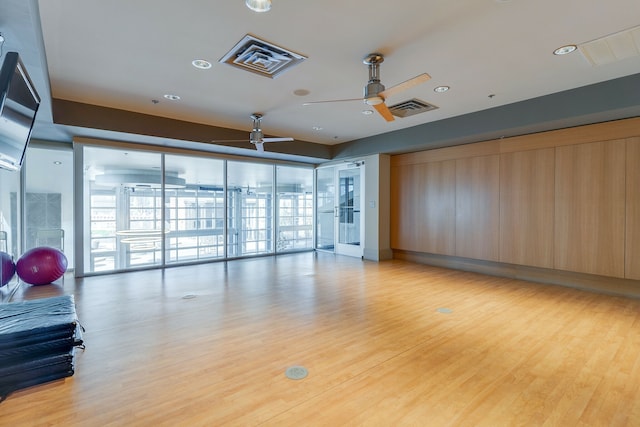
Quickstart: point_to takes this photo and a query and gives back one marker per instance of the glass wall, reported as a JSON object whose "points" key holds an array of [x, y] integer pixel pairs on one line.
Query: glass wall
{"points": [[210, 209], [295, 208], [123, 209], [194, 212], [249, 208]]}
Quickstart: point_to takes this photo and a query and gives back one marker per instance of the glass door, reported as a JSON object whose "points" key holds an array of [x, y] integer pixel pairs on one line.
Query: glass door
{"points": [[349, 218], [339, 222], [326, 208]]}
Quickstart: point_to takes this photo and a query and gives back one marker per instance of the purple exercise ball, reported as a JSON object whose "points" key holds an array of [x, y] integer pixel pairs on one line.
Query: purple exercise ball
{"points": [[8, 268], [41, 265]]}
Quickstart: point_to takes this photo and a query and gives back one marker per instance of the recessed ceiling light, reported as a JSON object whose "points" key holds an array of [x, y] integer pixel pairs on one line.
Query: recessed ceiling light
{"points": [[317, 128], [441, 89], [201, 64], [367, 112], [565, 49], [301, 92], [172, 97], [57, 162]]}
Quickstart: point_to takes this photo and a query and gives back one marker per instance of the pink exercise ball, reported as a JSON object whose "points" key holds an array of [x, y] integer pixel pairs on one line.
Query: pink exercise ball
{"points": [[41, 265], [8, 268]]}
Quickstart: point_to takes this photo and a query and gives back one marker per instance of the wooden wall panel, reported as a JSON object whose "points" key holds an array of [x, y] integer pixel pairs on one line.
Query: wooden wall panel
{"points": [[478, 149], [617, 129], [437, 232], [566, 199], [632, 252], [405, 208], [423, 207], [477, 207], [590, 208], [527, 207]]}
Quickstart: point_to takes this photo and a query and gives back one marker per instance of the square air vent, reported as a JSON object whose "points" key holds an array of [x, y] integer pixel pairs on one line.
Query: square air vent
{"points": [[411, 107], [261, 57], [615, 47]]}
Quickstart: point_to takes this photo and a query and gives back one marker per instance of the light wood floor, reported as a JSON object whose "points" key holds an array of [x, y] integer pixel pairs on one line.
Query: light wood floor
{"points": [[208, 345]]}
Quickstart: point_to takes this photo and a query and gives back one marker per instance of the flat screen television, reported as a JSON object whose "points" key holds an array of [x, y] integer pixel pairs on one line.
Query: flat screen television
{"points": [[19, 104]]}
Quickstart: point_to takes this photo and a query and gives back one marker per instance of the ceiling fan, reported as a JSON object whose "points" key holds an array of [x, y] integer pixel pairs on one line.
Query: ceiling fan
{"points": [[256, 137], [374, 92]]}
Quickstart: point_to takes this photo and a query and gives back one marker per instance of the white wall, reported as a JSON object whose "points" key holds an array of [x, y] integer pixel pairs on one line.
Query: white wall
{"points": [[377, 210]]}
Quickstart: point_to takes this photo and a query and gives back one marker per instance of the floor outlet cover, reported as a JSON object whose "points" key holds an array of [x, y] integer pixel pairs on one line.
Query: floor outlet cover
{"points": [[296, 372]]}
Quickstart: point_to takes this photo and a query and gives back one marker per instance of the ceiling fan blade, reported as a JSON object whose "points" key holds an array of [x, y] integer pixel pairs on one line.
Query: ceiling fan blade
{"points": [[229, 140], [335, 100], [384, 111], [256, 136], [276, 139], [405, 85]]}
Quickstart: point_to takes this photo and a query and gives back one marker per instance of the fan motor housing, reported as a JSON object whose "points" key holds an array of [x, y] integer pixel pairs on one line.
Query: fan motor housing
{"points": [[255, 136], [371, 91]]}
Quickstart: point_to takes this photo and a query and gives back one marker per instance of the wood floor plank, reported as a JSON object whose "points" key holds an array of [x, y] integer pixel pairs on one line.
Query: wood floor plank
{"points": [[389, 343]]}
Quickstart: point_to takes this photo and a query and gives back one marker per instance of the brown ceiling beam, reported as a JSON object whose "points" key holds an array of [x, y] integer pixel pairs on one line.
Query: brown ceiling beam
{"points": [[71, 113]]}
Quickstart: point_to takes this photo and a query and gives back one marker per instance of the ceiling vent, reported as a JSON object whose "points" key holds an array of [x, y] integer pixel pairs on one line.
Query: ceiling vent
{"points": [[261, 57], [411, 107], [615, 47]]}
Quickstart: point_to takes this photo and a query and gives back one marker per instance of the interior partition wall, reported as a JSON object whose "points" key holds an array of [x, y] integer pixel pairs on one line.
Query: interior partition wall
{"points": [[146, 209]]}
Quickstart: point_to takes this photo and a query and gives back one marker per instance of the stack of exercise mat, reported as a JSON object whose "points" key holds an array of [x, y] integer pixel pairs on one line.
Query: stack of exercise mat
{"points": [[38, 339]]}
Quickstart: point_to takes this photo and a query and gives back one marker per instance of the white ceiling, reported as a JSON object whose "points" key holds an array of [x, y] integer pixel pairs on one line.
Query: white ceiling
{"points": [[124, 54]]}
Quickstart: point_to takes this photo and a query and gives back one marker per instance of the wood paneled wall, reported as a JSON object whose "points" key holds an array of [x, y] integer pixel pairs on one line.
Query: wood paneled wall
{"points": [[527, 207], [632, 243], [477, 194], [440, 208], [590, 208], [426, 195], [406, 197], [565, 200]]}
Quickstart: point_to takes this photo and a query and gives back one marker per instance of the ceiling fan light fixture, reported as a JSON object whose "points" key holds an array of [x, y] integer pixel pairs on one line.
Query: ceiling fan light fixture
{"points": [[259, 5], [374, 100]]}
